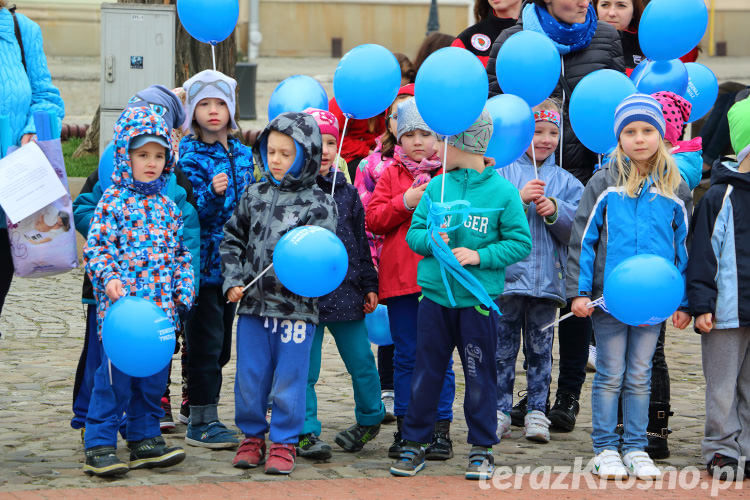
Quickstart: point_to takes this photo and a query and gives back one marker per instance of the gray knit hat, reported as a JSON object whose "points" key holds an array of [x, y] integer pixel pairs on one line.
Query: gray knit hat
{"points": [[476, 138], [207, 84], [409, 118]]}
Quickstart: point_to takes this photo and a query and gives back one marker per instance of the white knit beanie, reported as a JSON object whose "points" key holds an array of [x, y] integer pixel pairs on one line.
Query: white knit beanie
{"points": [[209, 84]]}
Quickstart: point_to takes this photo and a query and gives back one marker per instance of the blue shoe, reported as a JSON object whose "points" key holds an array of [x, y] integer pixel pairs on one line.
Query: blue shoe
{"points": [[213, 435], [410, 461]]}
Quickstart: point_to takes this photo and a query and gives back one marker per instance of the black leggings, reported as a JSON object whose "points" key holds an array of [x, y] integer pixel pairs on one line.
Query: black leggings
{"points": [[6, 266]]}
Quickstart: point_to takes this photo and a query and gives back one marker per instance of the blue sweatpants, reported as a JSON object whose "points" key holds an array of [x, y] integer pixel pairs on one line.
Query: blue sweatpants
{"points": [[354, 348], [402, 317], [473, 330], [273, 356], [140, 397]]}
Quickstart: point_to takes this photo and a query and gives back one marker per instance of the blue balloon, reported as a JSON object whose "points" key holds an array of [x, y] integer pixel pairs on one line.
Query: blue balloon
{"points": [[107, 166], [297, 93], [669, 29], [703, 88], [366, 81], [512, 128], [209, 21], [592, 107], [528, 65], [378, 327], [451, 90], [643, 290], [138, 337], [657, 76], [310, 261]]}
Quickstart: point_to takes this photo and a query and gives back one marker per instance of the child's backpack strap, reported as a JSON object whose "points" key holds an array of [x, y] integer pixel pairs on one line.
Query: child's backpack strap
{"points": [[17, 30]]}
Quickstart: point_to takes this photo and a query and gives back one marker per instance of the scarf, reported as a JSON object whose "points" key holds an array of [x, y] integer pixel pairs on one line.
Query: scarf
{"points": [[149, 188], [566, 37], [426, 166]]}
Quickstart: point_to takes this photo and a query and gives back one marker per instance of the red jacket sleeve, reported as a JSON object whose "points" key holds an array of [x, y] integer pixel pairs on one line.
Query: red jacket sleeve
{"points": [[386, 210]]}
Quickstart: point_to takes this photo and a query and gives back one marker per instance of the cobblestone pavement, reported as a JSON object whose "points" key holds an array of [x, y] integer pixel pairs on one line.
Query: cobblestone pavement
{"points": [[43, 324]]}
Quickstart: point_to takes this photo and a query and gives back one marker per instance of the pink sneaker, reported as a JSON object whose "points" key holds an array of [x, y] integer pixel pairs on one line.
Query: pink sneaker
{"points": [[281, 459], [252, 453]]}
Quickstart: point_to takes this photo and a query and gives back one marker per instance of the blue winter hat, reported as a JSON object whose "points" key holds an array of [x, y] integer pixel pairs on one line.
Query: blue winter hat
{"points": [[163, 102], [639, 108], [294, 170]]}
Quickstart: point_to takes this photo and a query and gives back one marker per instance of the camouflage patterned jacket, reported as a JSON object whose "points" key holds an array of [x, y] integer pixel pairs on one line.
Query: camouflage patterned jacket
{"points": [[265, 213]]}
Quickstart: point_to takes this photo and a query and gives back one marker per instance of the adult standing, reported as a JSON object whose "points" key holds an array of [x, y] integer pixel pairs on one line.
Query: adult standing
{"points": [[585, 45], [491, 18], [624, 16], [25, 88]]}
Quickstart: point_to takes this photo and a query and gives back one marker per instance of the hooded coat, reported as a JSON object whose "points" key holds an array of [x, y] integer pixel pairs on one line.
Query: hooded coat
{"points": [[138, 238], [266, 212]]}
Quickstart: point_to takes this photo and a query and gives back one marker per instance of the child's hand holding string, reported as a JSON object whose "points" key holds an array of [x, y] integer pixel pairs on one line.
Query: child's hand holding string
{"points": [[235, 294], [532, 190], [114, 290], [544, 206]]}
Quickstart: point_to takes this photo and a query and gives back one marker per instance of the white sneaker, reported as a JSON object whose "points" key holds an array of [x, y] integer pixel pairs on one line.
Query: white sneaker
{"points": [[387, 398], [536, 426], [503, 424], [608, 465], [591, 363], [641, 465]]}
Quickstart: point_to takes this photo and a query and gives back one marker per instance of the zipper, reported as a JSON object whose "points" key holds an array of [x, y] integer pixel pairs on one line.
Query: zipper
{"points": [[263, 249]]}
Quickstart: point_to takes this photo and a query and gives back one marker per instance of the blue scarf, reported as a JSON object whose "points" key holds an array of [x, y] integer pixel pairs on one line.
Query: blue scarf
{"points": [[149, 188], [566, 37]]}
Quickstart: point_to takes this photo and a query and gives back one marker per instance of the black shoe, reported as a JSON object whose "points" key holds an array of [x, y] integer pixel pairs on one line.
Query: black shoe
{"points": [[481, 463], [356, 437], [723, 467], [409, 461], [441, 447], [166, 423], [394, 451], [310, 446], [184, 416], [658, 431], [153, 452], [564, 412], [518, 412], [102, 461]]}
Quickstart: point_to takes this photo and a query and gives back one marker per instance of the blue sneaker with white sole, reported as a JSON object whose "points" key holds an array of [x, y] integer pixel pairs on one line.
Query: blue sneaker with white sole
{"points": [[213, 435]]}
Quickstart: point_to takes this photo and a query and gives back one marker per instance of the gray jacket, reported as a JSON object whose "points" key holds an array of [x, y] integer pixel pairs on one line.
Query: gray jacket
{"points": [[265, 213]]}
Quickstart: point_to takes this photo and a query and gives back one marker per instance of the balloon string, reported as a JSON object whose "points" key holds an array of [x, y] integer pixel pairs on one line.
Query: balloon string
{"points": [[600, 160], [533, 158], [109, 361], [591, 304], [264, 271], [338, 154], [213, 55], [445, 158]]}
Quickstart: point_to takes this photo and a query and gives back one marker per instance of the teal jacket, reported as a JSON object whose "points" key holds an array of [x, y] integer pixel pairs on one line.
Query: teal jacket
{"points": [[501, 237]]}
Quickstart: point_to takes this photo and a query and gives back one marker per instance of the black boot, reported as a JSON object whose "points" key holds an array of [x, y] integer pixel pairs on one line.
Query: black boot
{"points": [[518, 412], [441, 447], [658, 430], [395, 449], [564, 412]]}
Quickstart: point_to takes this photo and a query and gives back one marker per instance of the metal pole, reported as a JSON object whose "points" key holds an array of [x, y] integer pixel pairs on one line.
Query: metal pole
{"points": [[254, 36], [433, 23]]}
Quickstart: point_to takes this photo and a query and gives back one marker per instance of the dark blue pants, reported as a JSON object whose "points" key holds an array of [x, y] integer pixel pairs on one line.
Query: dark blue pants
{"points": [[87, 364], [402, 316], [473, 330]]}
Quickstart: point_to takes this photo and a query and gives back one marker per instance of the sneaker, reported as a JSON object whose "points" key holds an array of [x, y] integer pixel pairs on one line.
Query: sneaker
{"points": [[387, 398], [394, 451], [481, 463], [252, 453], [213, 435], [563, 413], [310, 446], [504, 421], [102, 461], [536, 427], [154, 452], [640, 465], [410, 460], [591, 362], [281, 459], [518, 412], [166, 423], [723, 467], [441, 447], [608, 465], [184, 415], [356, 437]]}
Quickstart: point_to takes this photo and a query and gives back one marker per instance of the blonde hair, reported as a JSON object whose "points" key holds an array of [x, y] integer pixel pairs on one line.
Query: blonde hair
{"points": [[3, 3], [548, 104], [661, 167]]}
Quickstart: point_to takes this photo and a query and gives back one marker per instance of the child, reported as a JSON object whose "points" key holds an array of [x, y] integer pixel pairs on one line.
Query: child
{"points": [[488, 243], [342, 313], [369, 172], [688, 155], [389, 213], [267, 362], [639, 203], [535, 287], [133, 217], [219, 167], [716, 277]]}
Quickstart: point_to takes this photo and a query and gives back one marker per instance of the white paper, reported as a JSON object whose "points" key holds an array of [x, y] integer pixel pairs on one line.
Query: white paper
{"points": [[28, 182]]}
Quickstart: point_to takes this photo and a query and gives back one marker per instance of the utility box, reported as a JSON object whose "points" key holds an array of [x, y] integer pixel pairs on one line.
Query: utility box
{"points": [[137, 50]]}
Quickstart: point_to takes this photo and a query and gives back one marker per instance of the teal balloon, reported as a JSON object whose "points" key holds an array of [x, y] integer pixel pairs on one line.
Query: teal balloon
{"points": [[643, 290], [138, 337], [512, 128], [702, 90], [310, 261], [366, 81], [669, 29], [592, 108], [660, 76], [209, 21], [378, 327], [297, 93], [528, 65], [451, 90], [107, 166]]}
